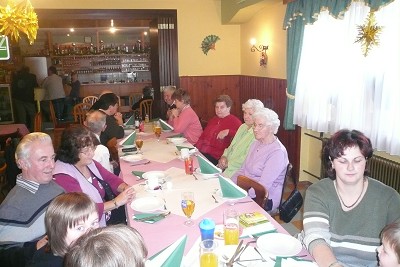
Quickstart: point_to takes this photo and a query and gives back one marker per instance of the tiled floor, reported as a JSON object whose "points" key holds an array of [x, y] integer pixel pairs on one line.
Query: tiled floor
{"points": [[296, 225]]}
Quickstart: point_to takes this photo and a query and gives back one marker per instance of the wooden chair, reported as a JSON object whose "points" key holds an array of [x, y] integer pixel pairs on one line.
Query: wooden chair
{"points": [[91, 99], [133, 98], [112, 145], [147, 107], [261, 193], [80, 111], [288, 174], [37, 126]]}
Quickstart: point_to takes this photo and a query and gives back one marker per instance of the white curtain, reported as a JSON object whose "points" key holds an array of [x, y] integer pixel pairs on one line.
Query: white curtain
{"points": [[339, 88]]}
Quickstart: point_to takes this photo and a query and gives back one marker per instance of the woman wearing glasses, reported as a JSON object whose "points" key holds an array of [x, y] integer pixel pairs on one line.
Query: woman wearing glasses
{"points": [[267, 159], [76, 171]]}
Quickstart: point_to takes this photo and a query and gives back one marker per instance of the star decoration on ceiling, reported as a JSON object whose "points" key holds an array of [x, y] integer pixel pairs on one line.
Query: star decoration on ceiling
{"points": [[368, 34]]}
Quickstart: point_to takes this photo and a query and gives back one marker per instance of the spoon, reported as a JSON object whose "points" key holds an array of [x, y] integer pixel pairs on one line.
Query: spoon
{"points": [[262, 258]]}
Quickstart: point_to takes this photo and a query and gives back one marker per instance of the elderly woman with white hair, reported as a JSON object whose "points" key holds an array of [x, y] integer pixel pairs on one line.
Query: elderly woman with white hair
{"points": [[233, 156], [267, 159]]}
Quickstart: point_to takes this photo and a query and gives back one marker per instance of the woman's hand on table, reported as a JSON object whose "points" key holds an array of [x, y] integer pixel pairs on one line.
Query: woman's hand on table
{"points": [[222, 134], [125, 196], [223, 163]]}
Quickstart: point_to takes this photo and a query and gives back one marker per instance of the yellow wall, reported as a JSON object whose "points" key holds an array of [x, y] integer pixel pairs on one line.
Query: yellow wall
{"points": [[266, 28], [196, 20]]}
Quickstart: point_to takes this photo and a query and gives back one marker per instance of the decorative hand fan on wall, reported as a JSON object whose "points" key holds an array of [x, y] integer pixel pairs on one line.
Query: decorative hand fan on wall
{"points": [[209, 43]]}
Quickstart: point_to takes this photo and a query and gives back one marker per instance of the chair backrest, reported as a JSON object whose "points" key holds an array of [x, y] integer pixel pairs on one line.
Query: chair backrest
{"points": [[112, 148], [261, 193], [288, 175], [53, 114], [91, 99], [133, 98], [37, 126], [80, 111], [146, 106]]}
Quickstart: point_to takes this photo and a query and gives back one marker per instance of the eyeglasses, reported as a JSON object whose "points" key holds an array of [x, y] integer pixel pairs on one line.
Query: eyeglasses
{"points": [[259, 126], [87, 150]]}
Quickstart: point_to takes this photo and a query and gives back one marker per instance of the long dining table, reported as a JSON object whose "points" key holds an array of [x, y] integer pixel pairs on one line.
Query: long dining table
{"points": [[164, 156]]}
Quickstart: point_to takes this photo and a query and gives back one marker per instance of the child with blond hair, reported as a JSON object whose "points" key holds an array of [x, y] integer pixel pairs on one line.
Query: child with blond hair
{"points": [[389, 251]]}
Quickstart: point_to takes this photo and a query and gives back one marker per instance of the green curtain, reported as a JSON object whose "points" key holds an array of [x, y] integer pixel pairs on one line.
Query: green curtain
{"points": [[298, 14]]}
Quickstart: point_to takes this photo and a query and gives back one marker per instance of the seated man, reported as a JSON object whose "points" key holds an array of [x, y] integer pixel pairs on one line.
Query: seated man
{"points": [[96, 122], [22, 211]]}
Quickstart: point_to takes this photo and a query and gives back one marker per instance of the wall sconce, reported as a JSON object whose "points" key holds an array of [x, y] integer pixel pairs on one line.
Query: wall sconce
{"points": [[261, 48]]}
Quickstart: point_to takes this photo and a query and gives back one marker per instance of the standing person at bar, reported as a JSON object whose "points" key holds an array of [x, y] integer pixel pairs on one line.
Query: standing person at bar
{"points": [[345, 213], [54, 91], [236, 153], [219, 131], [183, 118], [23, 86]]}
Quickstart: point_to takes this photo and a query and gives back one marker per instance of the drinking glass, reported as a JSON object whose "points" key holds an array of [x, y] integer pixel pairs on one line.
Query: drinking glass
{"points": [[231, 227], [208, 256], [139, 144], [187, 204], [157, 131]]}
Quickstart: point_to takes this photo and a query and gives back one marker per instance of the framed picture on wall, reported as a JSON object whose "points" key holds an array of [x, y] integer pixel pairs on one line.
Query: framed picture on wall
{"points": [[6, 109], [87, 39]]}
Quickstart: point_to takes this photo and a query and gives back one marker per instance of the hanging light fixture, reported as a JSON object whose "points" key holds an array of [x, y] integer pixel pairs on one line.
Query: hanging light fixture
{"points": [[262, 49]]}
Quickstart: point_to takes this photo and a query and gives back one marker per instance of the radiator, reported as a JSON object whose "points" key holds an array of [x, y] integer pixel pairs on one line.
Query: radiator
{"points": [[385, 170]]}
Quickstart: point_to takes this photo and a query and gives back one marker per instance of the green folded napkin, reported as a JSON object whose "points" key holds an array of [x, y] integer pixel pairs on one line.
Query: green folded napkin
{"points": [[171, 255], [230, 189], [130, 121], [129, 140], [260, 234], [180, 147], [301, 262], [165, 125], [206, 166], [176, 135], [138, 174], [153, 218]]}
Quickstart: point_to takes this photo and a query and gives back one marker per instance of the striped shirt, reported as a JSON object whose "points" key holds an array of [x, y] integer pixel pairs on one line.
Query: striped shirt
{"points": [[353, 235]]}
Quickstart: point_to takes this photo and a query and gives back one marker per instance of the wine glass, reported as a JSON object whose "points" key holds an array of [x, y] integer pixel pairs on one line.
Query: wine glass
{"points": [[188, 205], [157, 131], [139, 144]]}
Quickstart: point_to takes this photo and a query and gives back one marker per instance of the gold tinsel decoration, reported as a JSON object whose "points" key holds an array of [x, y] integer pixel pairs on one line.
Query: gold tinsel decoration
{"points": [[368, 34], [18, 18]]}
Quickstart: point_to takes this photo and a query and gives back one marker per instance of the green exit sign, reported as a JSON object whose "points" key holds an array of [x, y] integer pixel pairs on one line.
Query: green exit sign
{"points": [[4, 48]]}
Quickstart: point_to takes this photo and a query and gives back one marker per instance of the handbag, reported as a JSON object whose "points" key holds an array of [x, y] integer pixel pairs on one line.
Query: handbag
{"points": [[289, 208], [118, 215]]}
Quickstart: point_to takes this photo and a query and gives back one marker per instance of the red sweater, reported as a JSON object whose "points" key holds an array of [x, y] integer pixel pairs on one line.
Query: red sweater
{"points": [[208, 142]]}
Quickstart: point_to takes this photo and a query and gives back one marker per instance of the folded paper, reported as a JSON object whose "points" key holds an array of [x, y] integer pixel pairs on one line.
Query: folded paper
{"points": [[129, 140], [152, 217], [170, 256], [165, 125], [207, 167], [230, 189], [138, 174], [130, 121]]}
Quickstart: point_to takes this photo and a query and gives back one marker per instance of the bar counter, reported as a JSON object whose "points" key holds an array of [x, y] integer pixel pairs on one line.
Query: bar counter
{"points": [[120, 89]]}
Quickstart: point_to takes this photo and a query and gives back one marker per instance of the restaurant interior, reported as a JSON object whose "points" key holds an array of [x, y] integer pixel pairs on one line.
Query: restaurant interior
{"points": [[209, 47]]}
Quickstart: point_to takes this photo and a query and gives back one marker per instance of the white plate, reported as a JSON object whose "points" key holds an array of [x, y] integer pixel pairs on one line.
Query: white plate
{"points": [[132, 158], [128, 146], [159, 174], [177, 140], [147, 204], [277, 244], [205, 175]]}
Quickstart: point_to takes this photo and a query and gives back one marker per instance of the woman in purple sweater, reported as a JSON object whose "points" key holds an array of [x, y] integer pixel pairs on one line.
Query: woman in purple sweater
{"points": [[267, 159], [76, 171]]}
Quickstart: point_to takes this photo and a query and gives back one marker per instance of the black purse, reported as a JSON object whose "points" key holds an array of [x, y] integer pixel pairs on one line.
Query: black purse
{"points": [[289, 208], [118, 215]]}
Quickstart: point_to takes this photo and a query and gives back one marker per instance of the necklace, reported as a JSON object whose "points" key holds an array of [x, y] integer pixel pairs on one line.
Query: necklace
{"points": [[352, 205]]}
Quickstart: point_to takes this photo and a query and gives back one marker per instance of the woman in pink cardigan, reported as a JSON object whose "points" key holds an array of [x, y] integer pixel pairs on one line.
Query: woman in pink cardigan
{"points": [[183, 118]]}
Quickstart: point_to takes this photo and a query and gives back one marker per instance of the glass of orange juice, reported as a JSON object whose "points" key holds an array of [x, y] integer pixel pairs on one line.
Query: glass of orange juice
{"points": [[187, 204], [231, 227], [208, 256]]}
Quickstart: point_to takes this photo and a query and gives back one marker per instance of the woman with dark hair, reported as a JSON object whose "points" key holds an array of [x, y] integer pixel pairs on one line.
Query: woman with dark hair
{"points": [[344, 215], [219, 131], [183, 118], [76, 171], [108, 103], [67, 218]]}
